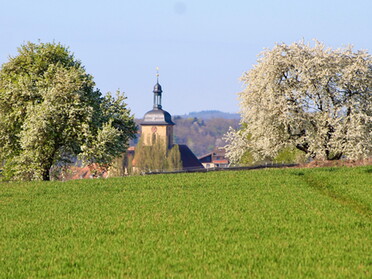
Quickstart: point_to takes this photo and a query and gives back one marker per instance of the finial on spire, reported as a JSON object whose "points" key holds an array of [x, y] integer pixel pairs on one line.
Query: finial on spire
{"points": [[157, 74]]}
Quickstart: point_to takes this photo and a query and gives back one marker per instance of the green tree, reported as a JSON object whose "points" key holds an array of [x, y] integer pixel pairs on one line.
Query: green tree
{"points": [[50, 112], [174, 159], [157, 157]]}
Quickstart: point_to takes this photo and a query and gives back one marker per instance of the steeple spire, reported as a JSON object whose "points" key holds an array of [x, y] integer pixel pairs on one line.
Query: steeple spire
{"points": [[157, 91]]}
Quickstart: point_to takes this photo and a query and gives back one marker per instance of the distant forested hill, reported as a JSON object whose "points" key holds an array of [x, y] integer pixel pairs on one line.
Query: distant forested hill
{"points": [[209, 114], [201, 134]]}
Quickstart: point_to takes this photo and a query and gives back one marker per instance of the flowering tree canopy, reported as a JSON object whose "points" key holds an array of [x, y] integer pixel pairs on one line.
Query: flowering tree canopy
{"points": [[313, 98]]}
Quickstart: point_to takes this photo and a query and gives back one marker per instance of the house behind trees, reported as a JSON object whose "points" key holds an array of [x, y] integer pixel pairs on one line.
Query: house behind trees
{"points": [[215, 159]]}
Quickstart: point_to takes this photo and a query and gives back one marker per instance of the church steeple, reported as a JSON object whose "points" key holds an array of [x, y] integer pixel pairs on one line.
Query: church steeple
{"points": [[157, 123], [157, 92]]}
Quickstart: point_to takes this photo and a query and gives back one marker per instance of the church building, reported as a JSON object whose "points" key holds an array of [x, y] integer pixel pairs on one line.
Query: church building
{"points": [[157, 123]]}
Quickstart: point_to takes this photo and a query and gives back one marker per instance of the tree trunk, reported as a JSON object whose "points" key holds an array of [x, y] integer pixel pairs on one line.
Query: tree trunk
{"points": [[303, 147], [47, 166], [336, 156], [46, 174]]}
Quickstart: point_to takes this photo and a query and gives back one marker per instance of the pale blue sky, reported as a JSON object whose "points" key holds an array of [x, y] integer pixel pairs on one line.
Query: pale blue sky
{"points": [[202, 47]]}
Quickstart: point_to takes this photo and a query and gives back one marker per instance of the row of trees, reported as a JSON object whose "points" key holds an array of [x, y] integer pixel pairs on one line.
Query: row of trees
{"points": [[310, 98]]}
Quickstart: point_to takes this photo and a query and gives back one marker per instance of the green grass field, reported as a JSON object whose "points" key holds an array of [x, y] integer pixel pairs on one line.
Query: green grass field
{"points": [[273, 223]]}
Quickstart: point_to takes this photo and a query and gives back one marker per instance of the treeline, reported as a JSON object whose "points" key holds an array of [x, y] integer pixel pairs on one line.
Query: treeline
{"points": [[200, 135]]}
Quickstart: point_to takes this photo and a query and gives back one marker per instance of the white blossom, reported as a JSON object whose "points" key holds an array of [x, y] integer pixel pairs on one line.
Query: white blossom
{"points": [[313, 98]]}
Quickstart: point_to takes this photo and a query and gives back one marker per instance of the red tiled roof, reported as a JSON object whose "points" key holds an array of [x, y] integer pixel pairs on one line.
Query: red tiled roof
{"points": [[220, 161], [86, 172]]}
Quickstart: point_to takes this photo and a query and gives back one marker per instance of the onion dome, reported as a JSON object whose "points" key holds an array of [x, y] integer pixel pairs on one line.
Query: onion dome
{"points": [[157, 88]]}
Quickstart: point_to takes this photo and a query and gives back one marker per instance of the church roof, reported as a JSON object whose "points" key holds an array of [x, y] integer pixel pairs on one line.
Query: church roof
{"points": [[189, 160], [157, 116]]}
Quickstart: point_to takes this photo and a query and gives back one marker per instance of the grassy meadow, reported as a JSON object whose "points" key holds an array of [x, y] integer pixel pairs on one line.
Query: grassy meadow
{"points": [[272, 223]]}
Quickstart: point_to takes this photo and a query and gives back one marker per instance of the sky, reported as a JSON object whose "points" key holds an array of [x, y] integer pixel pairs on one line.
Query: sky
{"points": [[201, 47]]}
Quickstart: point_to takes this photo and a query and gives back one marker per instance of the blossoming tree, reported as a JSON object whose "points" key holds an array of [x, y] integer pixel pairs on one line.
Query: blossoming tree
{"points": [[312, 98]]}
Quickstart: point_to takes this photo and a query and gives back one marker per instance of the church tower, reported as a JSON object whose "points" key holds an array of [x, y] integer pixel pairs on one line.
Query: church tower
{"points": [[157, 123]]}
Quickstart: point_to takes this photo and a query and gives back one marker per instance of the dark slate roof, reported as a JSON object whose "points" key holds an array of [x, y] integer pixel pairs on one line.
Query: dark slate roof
{"points": [[157, 116], [206, 158], [157, 88], [189, 160]]}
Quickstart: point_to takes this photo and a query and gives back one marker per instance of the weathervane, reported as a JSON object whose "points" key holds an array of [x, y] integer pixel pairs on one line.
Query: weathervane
{"points": [[157, 74]]}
